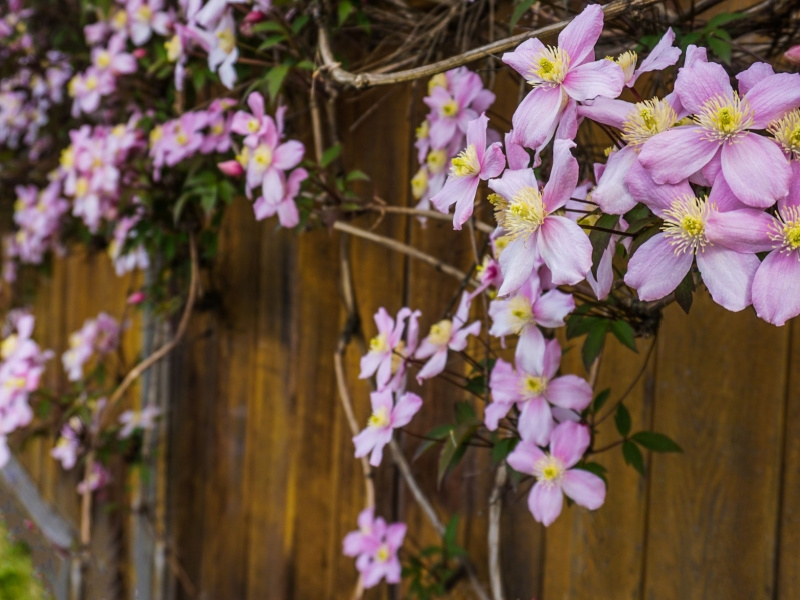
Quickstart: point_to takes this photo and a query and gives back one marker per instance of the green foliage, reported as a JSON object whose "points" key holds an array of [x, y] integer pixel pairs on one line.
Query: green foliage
{"points": [[430, 573], [712, 35], [17, 580], [657, 442]]}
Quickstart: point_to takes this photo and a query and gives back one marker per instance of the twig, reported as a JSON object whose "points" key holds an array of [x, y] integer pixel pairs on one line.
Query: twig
{"points": [[428, 214], [148, 362], [495, 512], [402, 248], [365, 80], [427, 508]]}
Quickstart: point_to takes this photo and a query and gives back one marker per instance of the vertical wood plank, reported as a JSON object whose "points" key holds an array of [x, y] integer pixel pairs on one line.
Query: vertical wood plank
{"points": [[720, 395]]}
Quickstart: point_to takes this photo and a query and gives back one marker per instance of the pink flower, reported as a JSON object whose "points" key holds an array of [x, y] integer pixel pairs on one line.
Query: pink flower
{"points": [[446, 334], [375, 545], [136, 298], [529, 308], [722, 140], [526, 216], [793, 55], [384, 420], [533, 387], [144, 17], [138, 419], [560, 76], [383, 346], [286, 207], [114, 59], [662, 56], [554, 476], [98, 478], [660, 264], [776, 284], [68, 444], [475, 163], [99, 335]]}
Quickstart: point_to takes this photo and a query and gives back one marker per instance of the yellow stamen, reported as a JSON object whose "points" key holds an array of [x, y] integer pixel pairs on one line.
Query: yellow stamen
{"points": [[436, 160], [787, 233], [647, 119], [419, 183], [8, 346], [550, 66], [263, 156], [440, 333], [379, 344], [450, 108], [174, 48], [439, 80], [521, 312], [466, 163], [787, 132], [533, 386], [423, 130], [725, 118], [684, 224], [380, 418], [549, 469], [523, 215]]}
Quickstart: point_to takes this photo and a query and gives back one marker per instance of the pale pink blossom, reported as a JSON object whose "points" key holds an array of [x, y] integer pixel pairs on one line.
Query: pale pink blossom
{"points": [[444, 335], [387, 416]]}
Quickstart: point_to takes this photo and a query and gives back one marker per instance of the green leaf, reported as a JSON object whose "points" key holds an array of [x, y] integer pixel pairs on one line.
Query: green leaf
{"points": [[644, 235], [306, 64], [330, 155], [600, 400], [690, 38], [502, 449], [435, 436], [582, 326], [721, 48], [684, 291], [299, 23], [465, 414], [519, 10], [622, 419], [345, 8], [642, 224], [453, 449], [657, 442], [357, 175], [450, 533], [633, 456], [477, 385], [178, 208], [721, 19], [624, 333], [275, 78], [271, 41], [266, 26], [594, 343], [601, 239]]}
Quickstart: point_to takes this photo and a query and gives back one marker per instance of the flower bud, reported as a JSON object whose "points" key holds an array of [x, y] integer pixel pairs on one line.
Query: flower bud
{"points": [[793, 55]]}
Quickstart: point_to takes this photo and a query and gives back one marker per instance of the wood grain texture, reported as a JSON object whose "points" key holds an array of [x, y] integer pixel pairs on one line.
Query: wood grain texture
{"points": [[599, 554], [720, 393]]}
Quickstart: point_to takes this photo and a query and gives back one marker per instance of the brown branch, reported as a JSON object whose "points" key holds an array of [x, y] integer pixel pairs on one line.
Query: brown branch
{"points": [[495, 512], [428, 214], [402, 248], [365, 80]]}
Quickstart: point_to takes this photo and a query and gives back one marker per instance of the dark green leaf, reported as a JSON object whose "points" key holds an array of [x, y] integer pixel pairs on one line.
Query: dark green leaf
{"points": [[306, 64], [267, 26], [595, 468], [640, 211], [299, 23], [330, 155], [657, 442], [601, 239], [453, 449], [465, 414], [502, 449], [451, 533], [357, 175], [477, 385], [643, 236], [642, 224], [600, 400], [624, 333], [633, 456], [271, 41], [622, 419], [690, 38], [721, 48], [684, 291], [721, 19], [434, 436], [519, 10], [594, 343], [578, 327], [345, 8], [275, 78]]}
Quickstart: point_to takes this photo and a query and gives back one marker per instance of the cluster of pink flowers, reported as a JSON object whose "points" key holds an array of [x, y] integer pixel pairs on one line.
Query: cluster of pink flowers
{"points": [[267, 162], [37, 214], [109, 61], [14, 34], [99, 335], [125, 234], [26, 98], [455, 98], [20, 371], [94, 169], [68, 444], [375, 545], [199, 131]]}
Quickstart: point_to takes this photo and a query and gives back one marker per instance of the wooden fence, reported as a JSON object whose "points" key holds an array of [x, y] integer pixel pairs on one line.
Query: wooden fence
{"points": [[256, 484]]}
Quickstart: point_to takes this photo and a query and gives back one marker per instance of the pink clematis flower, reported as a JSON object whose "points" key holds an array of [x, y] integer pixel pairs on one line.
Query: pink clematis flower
{"points": [[475, 163], [286, 207], [554, 477], [776, 284], [561, 76], [663, 55], [660, 264], [526, 216], [68, 444], [375, 544], [722, 140], [386, 417], [529, 307], [533, 387], [446, 334], [114, 59], [138, 419], [382, 346], [145, 17]]}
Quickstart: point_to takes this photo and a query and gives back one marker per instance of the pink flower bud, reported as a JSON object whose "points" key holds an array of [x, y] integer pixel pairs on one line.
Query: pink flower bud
{"points": [[231, 167], [136, 298], [793, 55], [139, 53]]}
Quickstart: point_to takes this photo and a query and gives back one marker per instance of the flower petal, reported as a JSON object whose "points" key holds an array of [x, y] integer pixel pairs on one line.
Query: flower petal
{"points": [[728, 275], [524, 456], [545, 502], [563, 176], [607, 111], [745, 230], [517, 262], [776, 287], [565, 249], [585, 488], [599, 78], [535, 118], [580, 36], [757, 71], [611, 193], [744, 163], [701, 82], [407, 406], [569, 391], [674, 155], [569, 442], [772, 97], [655, 269], [535, 421]]}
